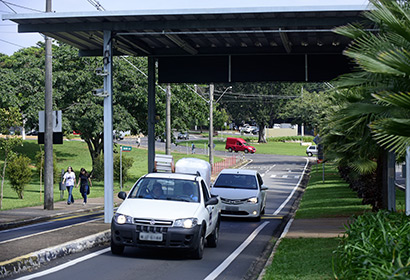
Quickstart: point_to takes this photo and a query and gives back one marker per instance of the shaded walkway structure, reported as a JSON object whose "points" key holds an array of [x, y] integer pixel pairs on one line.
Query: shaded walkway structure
{"points": [[221, 45]]}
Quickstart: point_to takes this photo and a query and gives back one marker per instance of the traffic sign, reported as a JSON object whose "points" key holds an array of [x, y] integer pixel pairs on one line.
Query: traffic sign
{"points": [[126, 148]]}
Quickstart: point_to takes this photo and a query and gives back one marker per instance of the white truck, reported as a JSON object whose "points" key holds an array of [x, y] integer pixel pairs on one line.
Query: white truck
{"points": [[168, 210]]}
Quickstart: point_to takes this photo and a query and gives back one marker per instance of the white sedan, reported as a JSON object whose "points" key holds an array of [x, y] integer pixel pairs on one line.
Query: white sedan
{"points": [[242, 193]]}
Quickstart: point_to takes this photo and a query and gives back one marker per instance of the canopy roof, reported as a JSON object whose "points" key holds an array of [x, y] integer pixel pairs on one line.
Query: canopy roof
{"points": [[195, 33]]}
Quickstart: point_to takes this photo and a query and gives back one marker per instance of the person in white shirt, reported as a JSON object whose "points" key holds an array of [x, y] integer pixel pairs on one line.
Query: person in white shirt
{"points": [[69, 180]]}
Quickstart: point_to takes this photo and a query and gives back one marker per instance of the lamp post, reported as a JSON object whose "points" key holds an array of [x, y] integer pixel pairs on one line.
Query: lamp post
{"points": [[211, 121]]}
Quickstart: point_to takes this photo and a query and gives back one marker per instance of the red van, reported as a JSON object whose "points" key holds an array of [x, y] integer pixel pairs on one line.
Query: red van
{"points": [[238, 144]]}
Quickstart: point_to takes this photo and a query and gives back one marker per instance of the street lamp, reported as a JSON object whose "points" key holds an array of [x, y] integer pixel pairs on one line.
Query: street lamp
{"points": [[230, 87]]}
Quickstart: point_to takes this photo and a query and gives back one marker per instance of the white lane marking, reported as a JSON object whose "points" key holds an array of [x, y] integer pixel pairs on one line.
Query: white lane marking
{"points": [[47, 231], [293, 191], [65, 265], [235, 253], [273, 176], [284, 176]]}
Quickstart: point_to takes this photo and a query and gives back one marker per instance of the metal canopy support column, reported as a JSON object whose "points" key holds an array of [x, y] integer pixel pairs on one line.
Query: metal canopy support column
{"points": [[168, 121], [108, 129], [391, 188], [151, 114], [408, 181]]}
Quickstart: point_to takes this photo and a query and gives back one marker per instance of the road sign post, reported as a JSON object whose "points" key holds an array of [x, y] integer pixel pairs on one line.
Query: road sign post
{"points": [[125, 149]]}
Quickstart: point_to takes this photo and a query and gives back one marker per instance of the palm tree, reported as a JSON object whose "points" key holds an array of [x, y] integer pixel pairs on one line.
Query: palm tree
{"points": [[374, 108], [384, 62]]}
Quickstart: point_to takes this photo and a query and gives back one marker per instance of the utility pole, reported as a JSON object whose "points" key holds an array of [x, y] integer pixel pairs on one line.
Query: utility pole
{"points": [[48, 132], [211, 124], [168, 121]]}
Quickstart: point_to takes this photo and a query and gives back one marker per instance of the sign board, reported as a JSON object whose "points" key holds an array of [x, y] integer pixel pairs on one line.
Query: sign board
{"points": [[57, 127], [126, 148], [57, 121]]}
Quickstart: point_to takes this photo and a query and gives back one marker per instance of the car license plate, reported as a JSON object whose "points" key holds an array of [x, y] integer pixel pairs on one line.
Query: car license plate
{"points": [[151, 236], [232, 208]]}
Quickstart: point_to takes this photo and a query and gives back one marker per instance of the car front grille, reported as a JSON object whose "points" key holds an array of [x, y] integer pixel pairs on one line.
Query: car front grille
{"points": [[233, 201]]}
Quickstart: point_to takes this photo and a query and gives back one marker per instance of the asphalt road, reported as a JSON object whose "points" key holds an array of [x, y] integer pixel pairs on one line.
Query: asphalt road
{"points": [[238, 255]]}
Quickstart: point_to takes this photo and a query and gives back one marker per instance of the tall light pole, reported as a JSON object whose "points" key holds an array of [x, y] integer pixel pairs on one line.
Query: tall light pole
{"points": [[48, 132], [211, 120], [168, 121], [211, 124]]}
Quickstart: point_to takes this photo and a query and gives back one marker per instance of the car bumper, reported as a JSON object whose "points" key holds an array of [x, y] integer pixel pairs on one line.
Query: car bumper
{"points": [[129, 235], [241, 210]]}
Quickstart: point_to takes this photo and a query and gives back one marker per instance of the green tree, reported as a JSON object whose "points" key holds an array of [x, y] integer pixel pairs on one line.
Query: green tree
{"points": [[378, 90], [19, 173], [8, 118]]}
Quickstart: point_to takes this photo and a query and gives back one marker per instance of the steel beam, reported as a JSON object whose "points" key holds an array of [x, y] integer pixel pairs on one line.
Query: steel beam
{"points": [[151, 113]]}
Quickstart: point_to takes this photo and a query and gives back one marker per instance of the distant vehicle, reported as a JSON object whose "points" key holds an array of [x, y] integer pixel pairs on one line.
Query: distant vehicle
{"points": [[247, 128], [242, 193], [238, 144], [32, 132], [118, 135], [183, 135], [311, 150], [255, 131]]}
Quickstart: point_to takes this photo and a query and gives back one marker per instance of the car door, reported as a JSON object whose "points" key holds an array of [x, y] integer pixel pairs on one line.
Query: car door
{"points": [[212, 216], [261, 190]]}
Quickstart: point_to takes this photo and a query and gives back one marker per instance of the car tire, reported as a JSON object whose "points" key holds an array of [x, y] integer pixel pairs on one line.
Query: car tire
{"points": [[310, 154], [230, 150], [198, 252], [212, 240], [116, 249], [246, 151]]}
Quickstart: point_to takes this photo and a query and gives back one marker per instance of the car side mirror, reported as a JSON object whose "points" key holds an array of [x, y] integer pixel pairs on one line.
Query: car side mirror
{"points": [[212, 201], [264, 188], [122, 195]]}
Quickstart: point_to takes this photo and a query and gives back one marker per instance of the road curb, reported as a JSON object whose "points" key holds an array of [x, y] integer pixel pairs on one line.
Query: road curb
{"points": [[35, 259]]}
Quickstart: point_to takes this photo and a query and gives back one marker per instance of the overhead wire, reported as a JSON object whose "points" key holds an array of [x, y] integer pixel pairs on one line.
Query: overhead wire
{"points": [[19, 6]]}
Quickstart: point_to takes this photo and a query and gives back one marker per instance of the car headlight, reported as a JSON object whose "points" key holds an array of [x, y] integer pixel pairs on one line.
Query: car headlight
{"points": [[186, 223], [253, 200], [123, 219]]}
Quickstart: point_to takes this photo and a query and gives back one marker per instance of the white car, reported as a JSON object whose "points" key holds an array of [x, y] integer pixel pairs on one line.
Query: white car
{"points": [[167, 210], [242, 193], [311, 150]]}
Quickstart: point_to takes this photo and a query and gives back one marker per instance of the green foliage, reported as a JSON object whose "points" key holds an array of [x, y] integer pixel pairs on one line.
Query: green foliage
{"points": [[19, 173], [375, 246], [98, 169], [291, 139], [127, 163], [39, 163]]}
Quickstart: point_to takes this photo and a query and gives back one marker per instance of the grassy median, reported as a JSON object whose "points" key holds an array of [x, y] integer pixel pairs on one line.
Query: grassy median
{"points": [[311, 258]]}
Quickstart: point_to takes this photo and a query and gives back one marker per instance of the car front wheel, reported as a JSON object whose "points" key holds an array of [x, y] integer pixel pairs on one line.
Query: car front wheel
{"points": [[199, 250], [310, 154], [246, 151]]}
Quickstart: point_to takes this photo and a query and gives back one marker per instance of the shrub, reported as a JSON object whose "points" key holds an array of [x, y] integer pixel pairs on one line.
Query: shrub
{"points": [[126, 165], [375, 246], [19, 173], [291, 138], [39, 163]]}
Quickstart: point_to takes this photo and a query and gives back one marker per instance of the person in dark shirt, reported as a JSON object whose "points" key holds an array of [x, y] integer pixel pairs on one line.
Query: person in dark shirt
{"points": [[85, 181]]}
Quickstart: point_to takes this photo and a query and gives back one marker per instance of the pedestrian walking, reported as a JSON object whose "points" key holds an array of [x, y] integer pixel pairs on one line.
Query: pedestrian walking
{"points": [[69, 180], [84, 181], [138, 141], [193, 148]]}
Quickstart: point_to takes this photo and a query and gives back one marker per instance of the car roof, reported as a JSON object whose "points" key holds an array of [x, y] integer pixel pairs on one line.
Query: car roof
{"points": [[179, 176], [239, 171]]}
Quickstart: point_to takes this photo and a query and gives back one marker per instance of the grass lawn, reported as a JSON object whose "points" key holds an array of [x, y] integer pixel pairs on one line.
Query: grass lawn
{"points": [[303, 259], [75, 154], [311, 258]]}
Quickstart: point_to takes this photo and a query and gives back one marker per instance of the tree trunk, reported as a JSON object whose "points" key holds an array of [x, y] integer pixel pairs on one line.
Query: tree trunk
{"points": [[3, 176], [95, 147], [262, 138]]}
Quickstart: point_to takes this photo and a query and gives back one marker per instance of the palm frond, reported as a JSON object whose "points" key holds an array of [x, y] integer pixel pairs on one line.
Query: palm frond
{"points": [[401, 99]]}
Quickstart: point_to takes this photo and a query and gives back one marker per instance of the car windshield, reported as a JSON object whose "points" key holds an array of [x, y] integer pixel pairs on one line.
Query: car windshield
{"points": [[166, 189], [237, 181]]}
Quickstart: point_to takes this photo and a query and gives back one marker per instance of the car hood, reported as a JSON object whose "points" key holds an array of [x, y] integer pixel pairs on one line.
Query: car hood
{"points": [[234, 193], [158, 209]]}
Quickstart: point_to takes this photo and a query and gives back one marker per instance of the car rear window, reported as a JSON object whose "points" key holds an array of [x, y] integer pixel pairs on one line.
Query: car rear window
{"points": [[237, 181]]}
